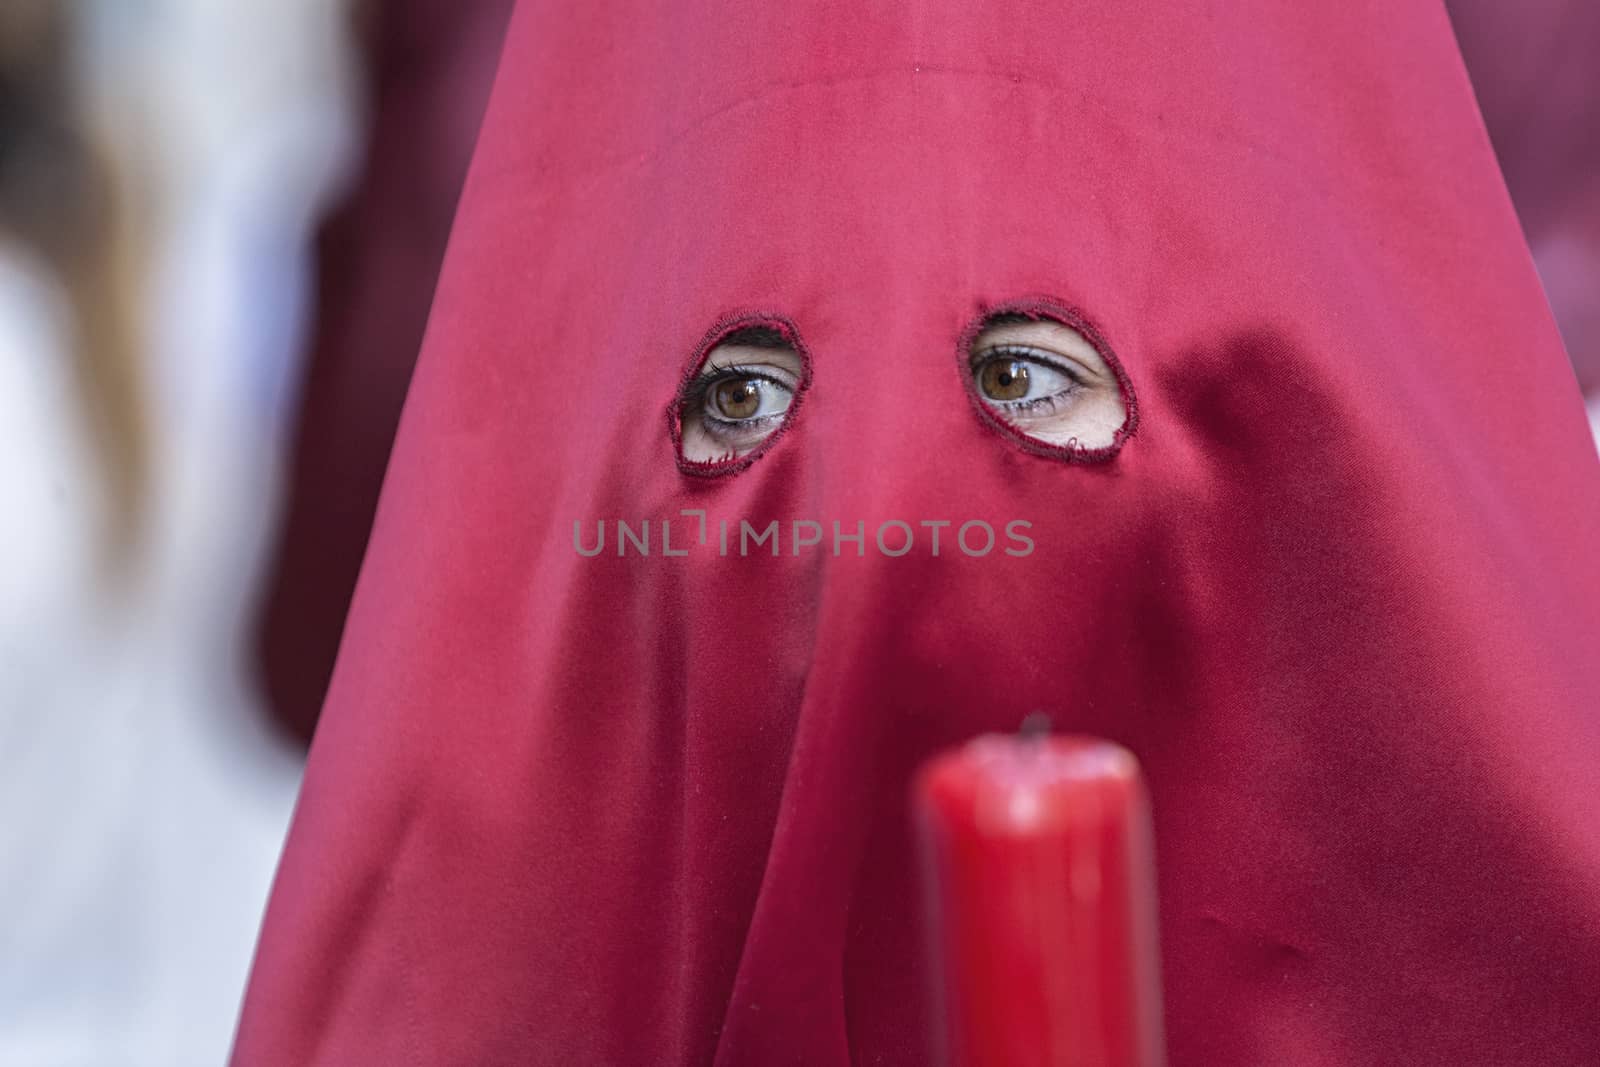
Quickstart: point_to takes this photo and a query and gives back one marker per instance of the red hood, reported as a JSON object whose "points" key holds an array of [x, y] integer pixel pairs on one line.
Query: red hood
{"points": [[1339, 592]]}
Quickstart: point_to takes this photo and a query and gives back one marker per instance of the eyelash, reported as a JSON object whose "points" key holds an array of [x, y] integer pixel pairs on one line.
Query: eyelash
{"points": [[1042, 405]]}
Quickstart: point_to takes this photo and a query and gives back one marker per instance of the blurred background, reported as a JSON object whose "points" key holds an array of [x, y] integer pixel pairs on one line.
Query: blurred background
{"points": [[220, 225]]}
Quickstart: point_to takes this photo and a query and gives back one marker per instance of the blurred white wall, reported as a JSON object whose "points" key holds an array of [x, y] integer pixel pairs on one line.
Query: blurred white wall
{"points": [[142, 798]]}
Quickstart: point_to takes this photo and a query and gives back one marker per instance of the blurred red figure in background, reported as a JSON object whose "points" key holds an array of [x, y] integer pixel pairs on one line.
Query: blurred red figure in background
{"points": [[1533, 68], [430, 65]]}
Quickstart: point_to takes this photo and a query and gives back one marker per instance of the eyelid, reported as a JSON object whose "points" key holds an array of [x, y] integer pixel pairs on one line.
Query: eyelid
{"points": [[764, 371]]}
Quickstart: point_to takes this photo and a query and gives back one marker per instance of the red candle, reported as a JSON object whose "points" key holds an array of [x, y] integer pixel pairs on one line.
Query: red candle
{"points": [[1038, 862]]}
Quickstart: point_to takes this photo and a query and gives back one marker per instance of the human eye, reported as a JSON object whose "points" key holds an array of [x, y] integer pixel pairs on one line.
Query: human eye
{"points": [[1041, 380], [1024, 381], [743, 393]]}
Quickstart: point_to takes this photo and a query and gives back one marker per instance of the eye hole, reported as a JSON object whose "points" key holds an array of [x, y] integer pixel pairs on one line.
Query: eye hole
{"points": [[744, 391], [1037, 378]]}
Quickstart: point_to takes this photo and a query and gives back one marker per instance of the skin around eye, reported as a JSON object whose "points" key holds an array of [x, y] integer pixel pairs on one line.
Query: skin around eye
{"points": [[740, 397], [1046, 381]]}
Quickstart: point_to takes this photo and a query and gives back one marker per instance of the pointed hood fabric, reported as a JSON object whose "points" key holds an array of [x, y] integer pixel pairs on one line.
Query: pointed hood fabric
{"points": [[1338, 590]]}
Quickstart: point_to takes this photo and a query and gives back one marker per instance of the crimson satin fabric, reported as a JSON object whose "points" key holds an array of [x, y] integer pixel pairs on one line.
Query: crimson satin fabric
{"points": [[1339, 593]]}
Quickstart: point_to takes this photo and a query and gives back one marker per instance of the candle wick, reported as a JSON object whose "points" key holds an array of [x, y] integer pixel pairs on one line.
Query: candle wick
{"points": [[1036, 727]]}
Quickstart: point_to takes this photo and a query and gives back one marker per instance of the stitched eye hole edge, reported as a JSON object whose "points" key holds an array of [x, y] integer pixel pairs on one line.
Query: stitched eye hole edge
{"points": [[992, 412], [777, 387]]}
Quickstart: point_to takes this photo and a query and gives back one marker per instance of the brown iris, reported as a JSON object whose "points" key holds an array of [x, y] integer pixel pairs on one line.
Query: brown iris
{"points": [[1004, 379], [739, 398]]}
